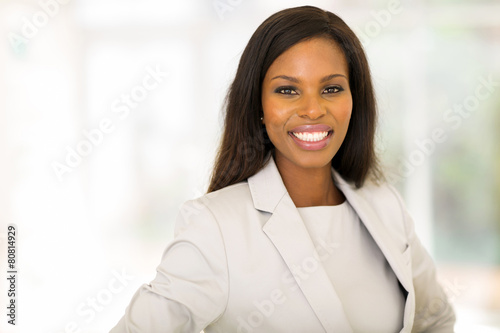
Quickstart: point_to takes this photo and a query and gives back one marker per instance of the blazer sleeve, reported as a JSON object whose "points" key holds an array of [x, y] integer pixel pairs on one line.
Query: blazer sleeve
{"points": [[433, 312], [190, 289]]}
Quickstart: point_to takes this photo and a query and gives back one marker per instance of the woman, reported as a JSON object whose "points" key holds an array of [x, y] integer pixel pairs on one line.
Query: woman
{"points": [[298, 232]]}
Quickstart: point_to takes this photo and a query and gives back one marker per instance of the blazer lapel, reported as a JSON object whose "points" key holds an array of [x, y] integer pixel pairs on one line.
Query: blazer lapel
{"points": [[290, 237], [377, 229]]}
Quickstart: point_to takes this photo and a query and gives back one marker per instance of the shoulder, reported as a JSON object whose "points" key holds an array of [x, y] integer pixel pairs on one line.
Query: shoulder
{"points": [[382, 194], [229, 199], [379, 199], [390, 207], [378, 193], [230, 211], [232, 196]]}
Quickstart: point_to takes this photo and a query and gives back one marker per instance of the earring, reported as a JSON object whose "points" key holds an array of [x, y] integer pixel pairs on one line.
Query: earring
{"points": [[261, 118]]}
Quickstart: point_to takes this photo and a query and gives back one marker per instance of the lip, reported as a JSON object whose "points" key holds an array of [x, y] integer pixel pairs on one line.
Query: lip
{"points": [[308, 145], [312, 128]]}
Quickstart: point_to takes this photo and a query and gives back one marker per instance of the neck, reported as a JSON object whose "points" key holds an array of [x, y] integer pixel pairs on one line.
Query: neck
{"points": [[309, 186]]}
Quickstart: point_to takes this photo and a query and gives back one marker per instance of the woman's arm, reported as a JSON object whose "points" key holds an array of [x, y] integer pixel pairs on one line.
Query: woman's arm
{"points": [[191, 286]]}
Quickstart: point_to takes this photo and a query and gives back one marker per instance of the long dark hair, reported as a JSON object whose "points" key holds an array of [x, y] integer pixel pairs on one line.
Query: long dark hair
{"points": [[245, 145]]}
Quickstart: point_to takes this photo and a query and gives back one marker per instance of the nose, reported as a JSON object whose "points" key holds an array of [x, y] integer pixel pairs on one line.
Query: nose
{"points": [[312, 108]]}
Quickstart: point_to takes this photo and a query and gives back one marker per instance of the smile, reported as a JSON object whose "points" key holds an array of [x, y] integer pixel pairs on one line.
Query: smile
{"points": [[312, 140], [310, 136]]}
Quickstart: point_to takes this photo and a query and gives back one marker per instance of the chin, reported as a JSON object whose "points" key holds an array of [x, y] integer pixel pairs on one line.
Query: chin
{"points": [[314, 159]]}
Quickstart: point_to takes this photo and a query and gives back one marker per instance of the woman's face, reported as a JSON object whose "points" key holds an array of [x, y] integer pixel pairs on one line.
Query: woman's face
{"points": [[307, 103]]}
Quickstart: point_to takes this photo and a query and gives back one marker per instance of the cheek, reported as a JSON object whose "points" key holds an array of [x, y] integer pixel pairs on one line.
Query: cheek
{"points": [[343, 112], [275, 112], [275, 116]]}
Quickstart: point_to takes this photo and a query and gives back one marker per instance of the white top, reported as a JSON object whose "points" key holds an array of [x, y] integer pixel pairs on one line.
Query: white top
{"points": [[366, 284]]}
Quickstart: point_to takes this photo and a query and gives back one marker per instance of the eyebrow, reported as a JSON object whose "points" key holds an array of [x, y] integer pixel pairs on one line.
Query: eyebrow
{"points": [[294, 79]]}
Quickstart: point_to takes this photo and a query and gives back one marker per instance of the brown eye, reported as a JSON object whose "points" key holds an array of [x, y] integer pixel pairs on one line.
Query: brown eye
{"points": [[286, 91], [333, 90]]}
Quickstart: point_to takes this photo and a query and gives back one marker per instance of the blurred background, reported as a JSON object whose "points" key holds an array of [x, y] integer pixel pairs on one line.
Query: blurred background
{"points": [[110, 114]]}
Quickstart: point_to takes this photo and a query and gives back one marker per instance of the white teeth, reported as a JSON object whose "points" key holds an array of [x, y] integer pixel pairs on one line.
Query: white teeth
{"points": [[311, 137]]}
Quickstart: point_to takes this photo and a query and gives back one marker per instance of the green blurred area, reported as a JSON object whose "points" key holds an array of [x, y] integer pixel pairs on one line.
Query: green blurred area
{"points": [[466, 178], [465, 169]]}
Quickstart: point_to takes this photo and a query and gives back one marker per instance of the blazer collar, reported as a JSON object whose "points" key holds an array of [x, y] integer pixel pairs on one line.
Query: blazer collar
{"points": [[267, 187], [285, 229]]}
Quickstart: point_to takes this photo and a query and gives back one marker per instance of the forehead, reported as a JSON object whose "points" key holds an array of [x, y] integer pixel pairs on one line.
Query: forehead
{"points": [[311, 57]]}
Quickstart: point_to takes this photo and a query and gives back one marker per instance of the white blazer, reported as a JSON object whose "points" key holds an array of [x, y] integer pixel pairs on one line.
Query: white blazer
{"points": [[231, 265]]}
